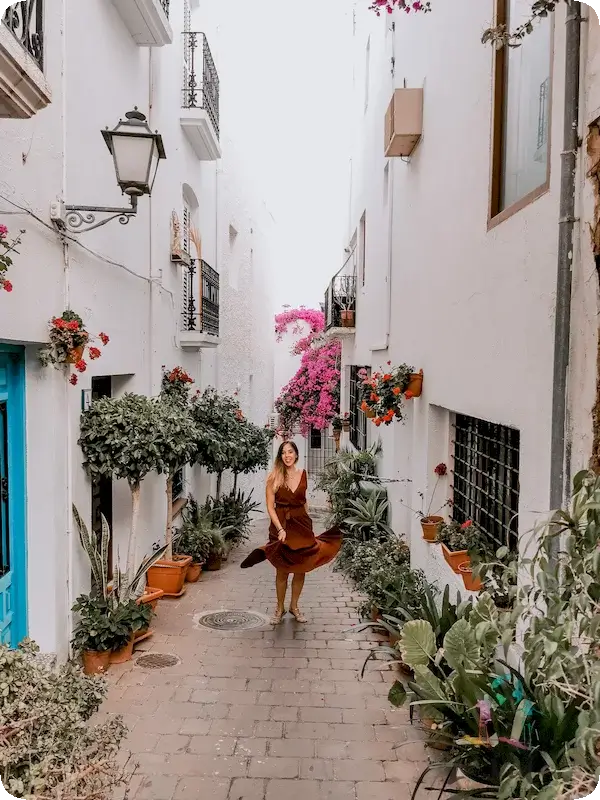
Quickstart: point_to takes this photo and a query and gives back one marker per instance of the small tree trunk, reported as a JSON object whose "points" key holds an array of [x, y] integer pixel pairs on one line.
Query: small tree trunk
{"points": [[219, 482], [169, 530], [235, 477], [132, 544]]}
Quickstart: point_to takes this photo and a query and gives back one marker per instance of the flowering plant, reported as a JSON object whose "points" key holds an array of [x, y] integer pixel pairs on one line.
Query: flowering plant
{"points": [[295, 317], [383, 393], [457, 536], [311, 399], [440, 472], [403, 5], [175, 384], [5, 260], [68, 341]]}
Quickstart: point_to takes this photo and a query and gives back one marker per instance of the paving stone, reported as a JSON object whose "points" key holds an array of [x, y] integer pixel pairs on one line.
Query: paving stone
{"points": [[272, 767], [201, 788], [247, 789], [157, 787]]}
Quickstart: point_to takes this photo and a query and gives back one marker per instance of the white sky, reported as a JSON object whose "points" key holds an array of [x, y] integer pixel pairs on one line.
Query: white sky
{"points": [[290, 76]]}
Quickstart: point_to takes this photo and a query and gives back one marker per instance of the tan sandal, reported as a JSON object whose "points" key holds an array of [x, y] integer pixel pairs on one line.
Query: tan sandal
{"points": [[298, 615], [277, 616]]}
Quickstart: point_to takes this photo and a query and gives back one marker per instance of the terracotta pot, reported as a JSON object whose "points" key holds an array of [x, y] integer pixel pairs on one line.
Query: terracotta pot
{"points": [[214, 563], [124, 654], [193, 572], [430, 526], [471, 584], [141, 634], [454, 558], [151, 597], [375, 613], [370, 414], [346, 426], [94, 662], [169, 575], [347, 319], [75, 355], [416, 384]]}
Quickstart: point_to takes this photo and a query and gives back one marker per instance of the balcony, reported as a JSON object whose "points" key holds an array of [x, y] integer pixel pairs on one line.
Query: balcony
{"points": [[340, 307], [200, 101], [23, 88], [199, 326], [147, 21]]}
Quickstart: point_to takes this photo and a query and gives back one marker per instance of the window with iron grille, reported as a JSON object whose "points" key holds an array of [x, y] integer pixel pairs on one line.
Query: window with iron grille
{"points": [[358, 421], [315, 439], [486, 478]]}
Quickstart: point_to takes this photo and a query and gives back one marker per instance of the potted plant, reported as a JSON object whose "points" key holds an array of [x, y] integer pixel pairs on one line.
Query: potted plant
{"points": [[217, 549], [383, 393], [472, 583], [68, 341], [54, 744], [345, 297], [5, 260], [336, 426], [134, 618], [346, 422], [95, 636], [457, 541], [430, 523]]}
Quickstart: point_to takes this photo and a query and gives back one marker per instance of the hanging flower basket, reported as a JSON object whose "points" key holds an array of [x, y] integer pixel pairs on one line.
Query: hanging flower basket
{"points": [[68, 343], [6, 261], [384, 393]]}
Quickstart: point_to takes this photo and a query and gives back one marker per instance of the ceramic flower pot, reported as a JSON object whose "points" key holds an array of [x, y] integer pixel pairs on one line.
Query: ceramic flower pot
{"points": [[471, 583], [370, 414], [124, 653], [415, 386], [170, 575], [454, 558], [151, 597], [431, 526], [75, 355], [94, 662], [194, 571]]}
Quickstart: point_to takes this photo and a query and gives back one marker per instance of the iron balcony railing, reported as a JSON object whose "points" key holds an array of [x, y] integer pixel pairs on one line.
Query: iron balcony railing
{"points": [[200, 311], [165, 5], [340, 302], [200, 77], [25, 20]]}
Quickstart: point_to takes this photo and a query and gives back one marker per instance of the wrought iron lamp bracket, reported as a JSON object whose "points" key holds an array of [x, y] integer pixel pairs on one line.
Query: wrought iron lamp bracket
{"points": [[80, 219]]}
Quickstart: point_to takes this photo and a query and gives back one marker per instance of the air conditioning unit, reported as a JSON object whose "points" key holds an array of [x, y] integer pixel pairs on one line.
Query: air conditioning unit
{"points": [[403, 122], [273, 421]]}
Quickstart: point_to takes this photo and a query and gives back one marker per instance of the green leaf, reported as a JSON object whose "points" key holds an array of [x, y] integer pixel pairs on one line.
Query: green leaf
{"points": [[417, 643], [397, 694], [460, 645]]}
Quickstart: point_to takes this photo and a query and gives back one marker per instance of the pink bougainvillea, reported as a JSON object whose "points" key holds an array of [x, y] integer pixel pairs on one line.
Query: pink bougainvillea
{"points": [[312, 398], [403, 5]]}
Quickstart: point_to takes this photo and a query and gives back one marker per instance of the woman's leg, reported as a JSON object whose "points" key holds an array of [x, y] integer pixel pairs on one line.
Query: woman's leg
{"points": [[281, 584], [297, 586]]}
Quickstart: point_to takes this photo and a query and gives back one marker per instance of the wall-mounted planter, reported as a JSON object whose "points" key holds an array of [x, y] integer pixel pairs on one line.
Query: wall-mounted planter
{"points": [[403, 122], [471, 583], [415, 387], [431, 526], [454, 558]]}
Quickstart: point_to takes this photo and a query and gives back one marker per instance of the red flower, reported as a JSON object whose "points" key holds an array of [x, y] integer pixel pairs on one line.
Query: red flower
{"points": [[364, 406], [408, 394], [94, 353], [103, 338], [73, 325], [374, 397], [441, 470], [387, 377], [73, 380], [58, 322], [466, 525], [396, 390], [81, 366], [377, 421], [389, 363], [7, 286], [3, 231]]}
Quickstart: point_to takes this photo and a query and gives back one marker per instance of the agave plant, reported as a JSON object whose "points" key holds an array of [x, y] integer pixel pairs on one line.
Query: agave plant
{"points": [[366, 519]]}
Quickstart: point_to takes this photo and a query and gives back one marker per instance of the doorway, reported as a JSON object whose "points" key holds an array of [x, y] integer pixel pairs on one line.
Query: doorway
{"points": [[102, 488]]}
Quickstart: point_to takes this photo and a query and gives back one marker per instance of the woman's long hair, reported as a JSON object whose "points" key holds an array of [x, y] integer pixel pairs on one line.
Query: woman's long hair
{"points": [[277, 476]]}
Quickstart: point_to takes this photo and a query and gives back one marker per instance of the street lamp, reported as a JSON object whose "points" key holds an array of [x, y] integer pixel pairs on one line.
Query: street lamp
{"points": [[136, 153]]}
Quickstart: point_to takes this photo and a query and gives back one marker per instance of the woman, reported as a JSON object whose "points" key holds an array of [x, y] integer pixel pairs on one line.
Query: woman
{"points": [[293, 548]]}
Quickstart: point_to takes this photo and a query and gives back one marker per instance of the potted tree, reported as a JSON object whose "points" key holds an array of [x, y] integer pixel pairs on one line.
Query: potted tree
{"points": [[346, 299], [118, 440]]}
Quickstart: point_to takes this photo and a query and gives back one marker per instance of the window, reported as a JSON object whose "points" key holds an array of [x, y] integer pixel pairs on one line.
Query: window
{"points": [[315, 439], [520, 168], [362, 248], [358, 420], [486, 478]]}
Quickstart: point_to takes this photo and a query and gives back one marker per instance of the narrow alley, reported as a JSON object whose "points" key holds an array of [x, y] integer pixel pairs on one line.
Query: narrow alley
{"points": [[263, 713]]}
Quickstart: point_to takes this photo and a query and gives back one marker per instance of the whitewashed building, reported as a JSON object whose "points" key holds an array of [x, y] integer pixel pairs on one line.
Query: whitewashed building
{"points": [[67, 72], [452, 253]]}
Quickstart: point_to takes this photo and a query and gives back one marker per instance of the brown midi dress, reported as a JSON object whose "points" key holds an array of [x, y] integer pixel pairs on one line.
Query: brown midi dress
{"points": [[302, 551]]}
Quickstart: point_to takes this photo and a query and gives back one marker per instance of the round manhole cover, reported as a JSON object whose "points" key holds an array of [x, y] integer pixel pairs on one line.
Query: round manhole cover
{"points": [[157, 661], [232, 620]]}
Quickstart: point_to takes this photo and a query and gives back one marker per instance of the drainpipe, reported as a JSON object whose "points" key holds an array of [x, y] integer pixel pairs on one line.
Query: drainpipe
{"points": [[565, 256], [151, 287]]}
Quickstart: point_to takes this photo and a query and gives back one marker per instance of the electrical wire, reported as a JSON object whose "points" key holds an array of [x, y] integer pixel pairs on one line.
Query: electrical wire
{"points": [[65, 236]]}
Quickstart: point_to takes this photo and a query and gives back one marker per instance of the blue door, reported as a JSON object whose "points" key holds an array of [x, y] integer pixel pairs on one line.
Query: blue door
{"points": [[13, 538]]}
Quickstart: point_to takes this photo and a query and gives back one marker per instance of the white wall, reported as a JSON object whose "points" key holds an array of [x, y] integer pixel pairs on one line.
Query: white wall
{"points": [[472, 307], [124, 282]]}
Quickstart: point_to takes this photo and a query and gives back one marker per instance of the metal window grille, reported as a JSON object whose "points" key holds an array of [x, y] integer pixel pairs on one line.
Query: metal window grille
{"points": [[320, 452], [25, 20], [200, 298], [358, 420], [486, 478]]}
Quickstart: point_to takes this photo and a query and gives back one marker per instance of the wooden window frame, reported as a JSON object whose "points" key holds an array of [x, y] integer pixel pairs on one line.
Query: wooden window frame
{"points": [[495, 215]]}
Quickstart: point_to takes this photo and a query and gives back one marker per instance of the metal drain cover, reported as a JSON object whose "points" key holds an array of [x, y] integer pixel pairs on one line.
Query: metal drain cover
{"points": [[156, 661], [231, 620]]}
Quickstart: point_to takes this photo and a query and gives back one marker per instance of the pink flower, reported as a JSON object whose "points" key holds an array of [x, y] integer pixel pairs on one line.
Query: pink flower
{"points": [[3, 231], [73, 380], [7, 286], [466, 524]]}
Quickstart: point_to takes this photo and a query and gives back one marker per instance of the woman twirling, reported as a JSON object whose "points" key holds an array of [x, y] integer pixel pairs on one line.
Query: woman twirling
{"points": [[293, 548]]}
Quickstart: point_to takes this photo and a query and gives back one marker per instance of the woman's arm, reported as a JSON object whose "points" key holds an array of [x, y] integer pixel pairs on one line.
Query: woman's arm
{"points": [[272, 512]]}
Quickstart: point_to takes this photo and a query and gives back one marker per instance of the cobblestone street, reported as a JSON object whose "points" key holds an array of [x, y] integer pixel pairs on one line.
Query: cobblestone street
{"points": [[280, 714]]}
